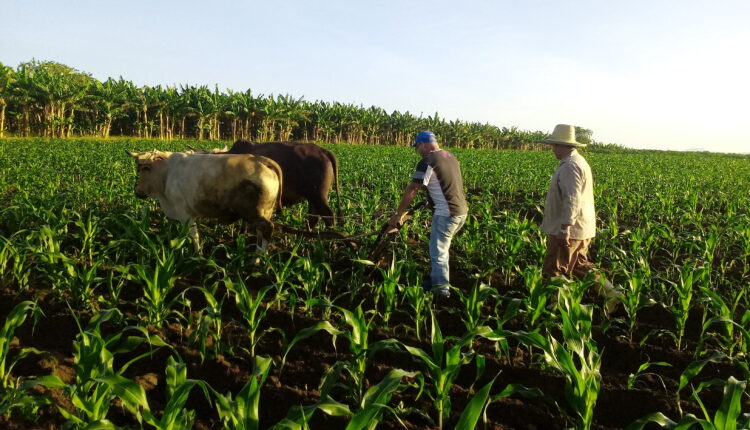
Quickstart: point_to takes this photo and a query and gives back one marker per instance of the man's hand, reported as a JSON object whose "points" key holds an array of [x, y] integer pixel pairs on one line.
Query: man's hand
{"points": [[564, 236], [563, 240]]}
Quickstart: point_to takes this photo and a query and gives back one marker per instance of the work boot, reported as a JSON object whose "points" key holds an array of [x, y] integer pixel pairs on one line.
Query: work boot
{"points": [[442, 291]]}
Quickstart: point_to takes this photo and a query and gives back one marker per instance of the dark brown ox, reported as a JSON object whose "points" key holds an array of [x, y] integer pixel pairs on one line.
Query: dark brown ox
{"points": [[308, 170], [190, 186]]}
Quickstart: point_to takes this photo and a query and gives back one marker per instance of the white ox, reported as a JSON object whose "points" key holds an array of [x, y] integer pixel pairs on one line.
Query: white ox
{"points": [[190, 186]]}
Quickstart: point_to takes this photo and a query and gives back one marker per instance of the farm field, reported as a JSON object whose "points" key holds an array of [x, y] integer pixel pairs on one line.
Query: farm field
{"points": [[111, 319]]}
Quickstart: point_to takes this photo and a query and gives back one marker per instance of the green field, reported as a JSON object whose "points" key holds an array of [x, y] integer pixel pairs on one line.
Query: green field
{"points": [[128, 327]]}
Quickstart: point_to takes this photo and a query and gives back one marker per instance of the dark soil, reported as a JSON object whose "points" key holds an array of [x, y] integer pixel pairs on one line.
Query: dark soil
{"points": [[298, 381]]}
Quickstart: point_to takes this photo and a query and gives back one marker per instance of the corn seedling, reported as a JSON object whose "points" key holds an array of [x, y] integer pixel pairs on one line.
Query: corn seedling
{"points": [[417, 301], [243, 411], [633, 377], [689, 276], [376, 400], [208, 324], [252, 309], [442, 366], [158, 281], [14, 392], [97, 382], [473, 302], [729, 416], [175, 416]]}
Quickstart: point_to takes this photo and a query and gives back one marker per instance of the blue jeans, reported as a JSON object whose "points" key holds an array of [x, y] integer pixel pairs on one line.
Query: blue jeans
{"points": [[443, 229]]}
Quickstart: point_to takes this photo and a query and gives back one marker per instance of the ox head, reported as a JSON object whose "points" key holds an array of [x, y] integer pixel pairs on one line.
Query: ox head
{"points": [[147, 167]]}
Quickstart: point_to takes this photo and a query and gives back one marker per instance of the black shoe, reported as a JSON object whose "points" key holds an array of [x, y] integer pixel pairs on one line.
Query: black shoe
{"points": [[426, 285]]}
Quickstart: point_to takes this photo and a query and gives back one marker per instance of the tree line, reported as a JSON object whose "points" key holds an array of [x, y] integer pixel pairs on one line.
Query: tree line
{"points": [[49, 99]]}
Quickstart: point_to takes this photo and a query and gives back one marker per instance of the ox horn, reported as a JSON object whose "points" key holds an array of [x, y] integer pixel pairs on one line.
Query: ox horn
{"points": [[132, 154]]}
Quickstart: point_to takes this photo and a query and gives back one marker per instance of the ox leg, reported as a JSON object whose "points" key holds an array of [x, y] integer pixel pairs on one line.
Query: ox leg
{"points": [[194, 236], [264, 229], [320, 206]]}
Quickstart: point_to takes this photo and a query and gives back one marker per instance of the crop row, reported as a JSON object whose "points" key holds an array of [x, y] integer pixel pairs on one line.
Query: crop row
{"points": [[674, 233]]}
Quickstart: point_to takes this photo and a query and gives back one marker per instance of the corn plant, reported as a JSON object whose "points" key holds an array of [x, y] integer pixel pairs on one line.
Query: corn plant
{"points": [[208, 324], [418, 303], [20, 265], [15, 319], [577, 358], [633, 299], [442, 365], [298, 417], [536, 302], [359, 346], [175, 417], [733, 337], [477, 405], [368, 413], [376, 400], [689, 276], [252, 309], [473, 410], [97, 381], [729, 416], [158, 281], [312, 278], [243, 411], [633, 377], [14, 392], [471, 315], [282, 271], [388, 288], [87, 229], [6, 254]]}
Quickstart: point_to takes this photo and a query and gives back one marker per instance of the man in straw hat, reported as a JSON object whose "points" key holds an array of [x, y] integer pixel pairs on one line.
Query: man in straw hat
{"points": [[440, 174], [569, 215]]}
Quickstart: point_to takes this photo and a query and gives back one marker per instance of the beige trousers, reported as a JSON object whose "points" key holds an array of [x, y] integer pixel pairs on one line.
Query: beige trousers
{"points": [[561, 260], [567, 260]]}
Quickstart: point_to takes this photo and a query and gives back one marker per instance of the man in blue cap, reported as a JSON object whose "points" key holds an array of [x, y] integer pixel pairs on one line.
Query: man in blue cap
{"points": [[440, 173]]}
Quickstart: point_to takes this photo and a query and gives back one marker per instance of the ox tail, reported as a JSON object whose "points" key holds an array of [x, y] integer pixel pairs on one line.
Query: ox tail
{"points": [[335, 165], [277, 169]]}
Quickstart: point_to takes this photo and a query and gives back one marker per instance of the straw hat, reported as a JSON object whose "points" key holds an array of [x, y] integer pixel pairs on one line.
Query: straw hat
{"points": [[563, 134]]}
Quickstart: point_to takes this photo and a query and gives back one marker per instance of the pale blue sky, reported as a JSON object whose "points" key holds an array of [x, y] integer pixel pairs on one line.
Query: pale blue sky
{"points": [[645, 74]]}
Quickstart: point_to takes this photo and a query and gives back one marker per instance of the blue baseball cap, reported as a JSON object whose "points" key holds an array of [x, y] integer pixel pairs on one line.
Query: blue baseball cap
{"points": [[424, 137]]}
